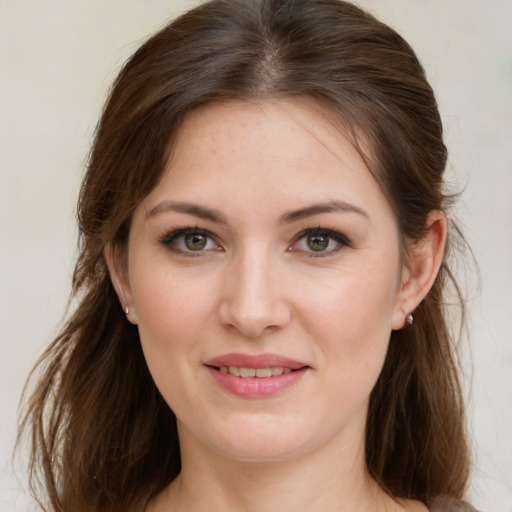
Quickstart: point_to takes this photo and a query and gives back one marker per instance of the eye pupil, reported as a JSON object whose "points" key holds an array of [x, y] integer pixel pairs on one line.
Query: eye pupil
{"points": [[318, 243], [195, 241]]}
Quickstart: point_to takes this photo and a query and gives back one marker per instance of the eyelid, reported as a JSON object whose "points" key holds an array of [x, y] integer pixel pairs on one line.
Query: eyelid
{"points": [[174, 233], [341, 239]]}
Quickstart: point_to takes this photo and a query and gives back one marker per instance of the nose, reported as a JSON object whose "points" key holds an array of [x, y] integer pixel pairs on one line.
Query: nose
{"points": [[253, 298]]}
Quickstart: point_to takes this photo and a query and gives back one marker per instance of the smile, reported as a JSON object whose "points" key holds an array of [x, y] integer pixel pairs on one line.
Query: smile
{"points": [[260, 373], [256, 376]]}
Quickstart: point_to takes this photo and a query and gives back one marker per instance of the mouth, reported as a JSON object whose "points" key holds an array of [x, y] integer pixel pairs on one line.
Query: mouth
{"points": [[258, 373], [259, 376]]}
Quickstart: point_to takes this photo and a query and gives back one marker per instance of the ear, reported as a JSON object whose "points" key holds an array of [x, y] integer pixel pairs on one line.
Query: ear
{"points": [[118, 270], [419, 273]]}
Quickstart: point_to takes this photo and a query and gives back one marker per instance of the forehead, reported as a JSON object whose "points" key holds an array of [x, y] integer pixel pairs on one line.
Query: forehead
{"points": [[270, 129], [281, 150]]}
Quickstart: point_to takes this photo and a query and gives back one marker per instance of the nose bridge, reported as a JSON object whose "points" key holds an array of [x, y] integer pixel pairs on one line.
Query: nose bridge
{"points": [[254, 299]]}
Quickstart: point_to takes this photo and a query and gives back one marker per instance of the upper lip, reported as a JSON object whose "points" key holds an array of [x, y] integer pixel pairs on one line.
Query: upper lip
{"points": [[255, 361]]}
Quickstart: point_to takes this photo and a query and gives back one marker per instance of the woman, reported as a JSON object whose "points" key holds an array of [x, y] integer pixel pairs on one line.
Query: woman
{"points": [[264, 256]]}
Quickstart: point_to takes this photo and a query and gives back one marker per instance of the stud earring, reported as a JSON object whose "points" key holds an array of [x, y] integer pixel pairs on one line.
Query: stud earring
{"points": [[126, 310], [409, 319]]}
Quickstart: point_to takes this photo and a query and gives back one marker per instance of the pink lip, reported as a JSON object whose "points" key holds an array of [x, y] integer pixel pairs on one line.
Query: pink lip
{"points": [[256, 387], [259, 361]]}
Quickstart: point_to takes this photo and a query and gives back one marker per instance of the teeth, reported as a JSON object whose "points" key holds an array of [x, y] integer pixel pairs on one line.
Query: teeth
{"points": [[260, 373], [263, 372], [247, 372], [233, 370]]}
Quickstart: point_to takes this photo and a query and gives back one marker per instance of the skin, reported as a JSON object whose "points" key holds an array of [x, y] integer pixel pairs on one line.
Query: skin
{"points": [[259, 285]]}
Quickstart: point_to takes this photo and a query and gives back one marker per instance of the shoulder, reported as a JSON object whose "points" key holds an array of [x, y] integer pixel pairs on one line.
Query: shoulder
{"points": [[447, 504]]}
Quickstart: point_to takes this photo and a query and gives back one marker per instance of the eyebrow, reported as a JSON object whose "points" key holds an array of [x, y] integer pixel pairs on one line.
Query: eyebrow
{"points": [[212, 215], [316, 209], [190, 209]]}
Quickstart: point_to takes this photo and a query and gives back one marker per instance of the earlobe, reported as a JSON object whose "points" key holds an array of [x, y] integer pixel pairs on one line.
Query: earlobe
{"points": [[424, 262], [119, 278]]}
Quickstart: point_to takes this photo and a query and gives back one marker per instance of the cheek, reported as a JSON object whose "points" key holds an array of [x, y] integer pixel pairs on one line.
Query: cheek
{"points": [[170, 303], [350, 317], [172, 313], [354, 304]]}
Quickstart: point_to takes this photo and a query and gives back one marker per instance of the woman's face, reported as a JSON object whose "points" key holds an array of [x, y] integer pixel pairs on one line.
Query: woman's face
{"points": [[266, 250]]}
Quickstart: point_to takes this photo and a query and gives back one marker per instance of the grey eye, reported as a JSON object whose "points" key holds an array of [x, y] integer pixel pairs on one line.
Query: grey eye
{"points": [[320, 242], [195, 241], [189, 240], [317, 242]]}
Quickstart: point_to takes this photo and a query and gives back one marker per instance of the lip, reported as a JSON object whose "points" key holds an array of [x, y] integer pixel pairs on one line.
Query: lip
{"points": [[255, 361], [255, 387]]}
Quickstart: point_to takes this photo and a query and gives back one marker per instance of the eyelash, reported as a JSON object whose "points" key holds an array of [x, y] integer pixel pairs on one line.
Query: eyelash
{"points": [[341, 240], [174, 234]]}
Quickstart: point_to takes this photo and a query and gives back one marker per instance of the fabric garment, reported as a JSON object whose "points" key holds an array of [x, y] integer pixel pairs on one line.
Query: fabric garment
{"points": [[445, 504]]}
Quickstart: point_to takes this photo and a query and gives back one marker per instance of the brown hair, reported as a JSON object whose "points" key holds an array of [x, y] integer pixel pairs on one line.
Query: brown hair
{"points": [[102, 436]]}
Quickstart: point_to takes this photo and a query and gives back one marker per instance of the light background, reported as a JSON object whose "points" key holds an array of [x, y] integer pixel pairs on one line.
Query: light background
{"points": [[57, 60]]}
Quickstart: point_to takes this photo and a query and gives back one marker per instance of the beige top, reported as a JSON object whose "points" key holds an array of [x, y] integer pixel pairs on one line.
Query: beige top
{"points": [[444, 504]]}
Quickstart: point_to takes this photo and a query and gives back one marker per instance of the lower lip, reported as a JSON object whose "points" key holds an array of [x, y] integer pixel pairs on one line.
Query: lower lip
{"points": [[254, 387]]}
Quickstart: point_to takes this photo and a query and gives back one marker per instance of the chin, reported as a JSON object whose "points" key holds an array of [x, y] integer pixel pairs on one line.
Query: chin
{"points": [[263, 441], [262, 450]]}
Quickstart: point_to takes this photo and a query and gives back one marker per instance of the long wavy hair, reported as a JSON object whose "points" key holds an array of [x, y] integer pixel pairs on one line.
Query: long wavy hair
{"points": [[102, 437]]}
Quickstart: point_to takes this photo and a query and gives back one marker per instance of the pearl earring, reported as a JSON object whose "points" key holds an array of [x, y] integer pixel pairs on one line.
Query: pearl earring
{"points": [[126, 310], [409, 318]]}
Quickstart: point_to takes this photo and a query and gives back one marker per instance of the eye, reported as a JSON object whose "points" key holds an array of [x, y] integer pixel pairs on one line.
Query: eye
{"points": [[320, 242], [189, 240], [195, 241]]}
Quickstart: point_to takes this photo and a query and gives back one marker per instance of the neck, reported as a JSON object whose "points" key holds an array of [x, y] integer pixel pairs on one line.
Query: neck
{"points": [[333, 477]]}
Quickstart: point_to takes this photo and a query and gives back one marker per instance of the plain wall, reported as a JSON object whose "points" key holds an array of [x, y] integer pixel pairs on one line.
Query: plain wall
{"points": [[57, 60]]}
